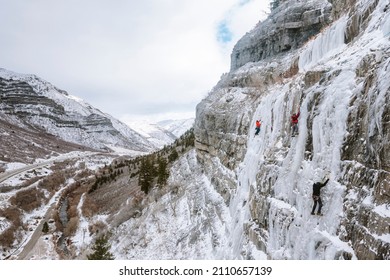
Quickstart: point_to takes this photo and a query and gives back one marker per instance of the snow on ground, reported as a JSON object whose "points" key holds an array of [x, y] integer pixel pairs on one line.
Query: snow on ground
{"points": [[95, 128], [62, 157], [384, 237], [14, 165], [23, 176], [94, 162]]}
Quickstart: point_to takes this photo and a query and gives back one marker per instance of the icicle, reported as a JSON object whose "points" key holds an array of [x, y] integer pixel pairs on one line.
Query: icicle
{"points": [[326, 44]]}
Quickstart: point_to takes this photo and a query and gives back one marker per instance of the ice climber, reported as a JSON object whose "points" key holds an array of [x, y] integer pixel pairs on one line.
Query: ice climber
{"points": [[258, 125], [316, 196], [294, 123]]}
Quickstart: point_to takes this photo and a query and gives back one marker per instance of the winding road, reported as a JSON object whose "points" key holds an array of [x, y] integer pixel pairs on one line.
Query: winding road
{"points": [[6, 175]]}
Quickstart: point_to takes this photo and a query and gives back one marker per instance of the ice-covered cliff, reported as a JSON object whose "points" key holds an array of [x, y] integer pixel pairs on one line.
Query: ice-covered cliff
{"points": [[241, 196], [342, 91]]}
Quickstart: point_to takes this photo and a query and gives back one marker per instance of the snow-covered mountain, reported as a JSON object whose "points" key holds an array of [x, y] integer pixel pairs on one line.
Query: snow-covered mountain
{"points": [[161, 133], [240, 196], [177, 127], [31, 103]]}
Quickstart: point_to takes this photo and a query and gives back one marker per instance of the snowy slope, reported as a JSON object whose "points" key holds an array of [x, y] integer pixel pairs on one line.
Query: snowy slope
{"points": [[162, 133], [153, 133], [176, 127]]}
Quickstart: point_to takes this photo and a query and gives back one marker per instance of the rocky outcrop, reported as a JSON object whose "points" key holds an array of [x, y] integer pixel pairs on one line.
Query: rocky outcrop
{"points": [[18, 94], [289, 26], [223, 128]]}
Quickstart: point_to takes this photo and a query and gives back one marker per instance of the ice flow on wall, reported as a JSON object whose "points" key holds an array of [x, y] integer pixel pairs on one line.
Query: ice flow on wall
{"points": [[275, 177]]}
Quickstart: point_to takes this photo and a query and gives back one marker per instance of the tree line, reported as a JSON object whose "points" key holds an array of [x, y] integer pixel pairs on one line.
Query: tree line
{"points": [[152, 169]]}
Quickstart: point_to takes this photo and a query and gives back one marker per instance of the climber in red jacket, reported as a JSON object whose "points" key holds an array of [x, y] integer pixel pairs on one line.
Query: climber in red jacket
{"points": [[294, 123], [258, 125]]}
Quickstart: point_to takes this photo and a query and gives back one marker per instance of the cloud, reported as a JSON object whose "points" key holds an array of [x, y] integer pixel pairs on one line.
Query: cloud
{"points": [[127, 58]]}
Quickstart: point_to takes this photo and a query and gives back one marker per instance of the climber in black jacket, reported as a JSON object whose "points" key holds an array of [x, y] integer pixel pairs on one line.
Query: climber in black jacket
{"points": [[316, 196]]}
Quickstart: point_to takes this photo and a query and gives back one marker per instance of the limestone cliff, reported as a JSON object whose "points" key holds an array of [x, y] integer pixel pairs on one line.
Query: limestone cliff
{"points": [[330, 60], [287, 28]]}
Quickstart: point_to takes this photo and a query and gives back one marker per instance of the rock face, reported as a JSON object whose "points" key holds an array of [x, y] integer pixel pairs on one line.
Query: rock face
{"points": [[32, 103], [340, 82], [287, 28]]}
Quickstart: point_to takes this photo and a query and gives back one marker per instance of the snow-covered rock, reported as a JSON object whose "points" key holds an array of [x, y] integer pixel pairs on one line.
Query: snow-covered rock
{"points": [[287, 28]]}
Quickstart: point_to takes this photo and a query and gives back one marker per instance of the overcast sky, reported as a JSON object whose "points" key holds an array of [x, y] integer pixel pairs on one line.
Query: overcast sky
{"points": [[132, 59]]}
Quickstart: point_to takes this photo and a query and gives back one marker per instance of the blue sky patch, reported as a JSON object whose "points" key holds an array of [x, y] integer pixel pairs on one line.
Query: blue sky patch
{"points": [[224, 34]]}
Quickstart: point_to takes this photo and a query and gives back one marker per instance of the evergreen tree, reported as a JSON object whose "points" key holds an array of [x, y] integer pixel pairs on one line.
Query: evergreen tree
{"points": [[45, 228], [145, 177], [191, 139], [101, 250], [163, 172], [173, 156]]}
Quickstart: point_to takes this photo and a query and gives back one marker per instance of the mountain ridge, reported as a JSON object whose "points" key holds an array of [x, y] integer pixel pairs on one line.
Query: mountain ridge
{"points": [[32, 102]]}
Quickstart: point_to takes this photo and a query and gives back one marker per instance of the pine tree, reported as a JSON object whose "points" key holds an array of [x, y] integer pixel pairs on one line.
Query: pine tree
{"points": [[163, 172], [173, 156], [101, 250], [145, 177], [45, 228]]}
